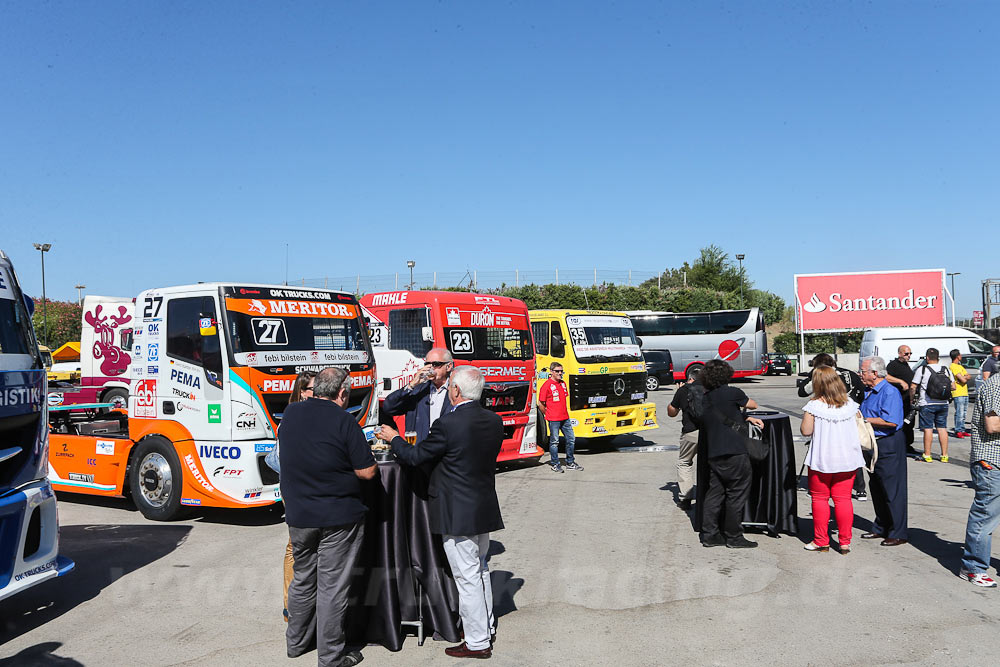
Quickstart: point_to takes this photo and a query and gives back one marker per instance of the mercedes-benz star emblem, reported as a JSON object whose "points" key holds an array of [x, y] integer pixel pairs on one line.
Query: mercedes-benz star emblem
{"points": [[619, 387]]}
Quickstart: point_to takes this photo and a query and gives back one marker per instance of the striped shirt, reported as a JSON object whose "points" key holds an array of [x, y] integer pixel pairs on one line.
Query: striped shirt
{"points": [[986, 446]]}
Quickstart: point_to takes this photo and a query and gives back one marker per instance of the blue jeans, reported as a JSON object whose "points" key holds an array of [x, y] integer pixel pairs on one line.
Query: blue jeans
{"points": [[934, 416], [961, 405], [984, 517], [567, 431]]}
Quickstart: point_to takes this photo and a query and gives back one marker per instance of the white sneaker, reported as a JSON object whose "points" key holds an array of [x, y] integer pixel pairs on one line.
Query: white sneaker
{"points": [[978, 579]]}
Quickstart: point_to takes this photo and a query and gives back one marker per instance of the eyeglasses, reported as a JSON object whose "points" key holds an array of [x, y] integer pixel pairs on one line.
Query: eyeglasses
{"points": [[906, 354], [437, 364], [558, 371]]}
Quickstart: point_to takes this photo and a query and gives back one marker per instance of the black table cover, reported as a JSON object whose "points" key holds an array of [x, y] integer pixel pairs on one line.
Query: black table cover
{"points": [[399, 548], [773, 499]]}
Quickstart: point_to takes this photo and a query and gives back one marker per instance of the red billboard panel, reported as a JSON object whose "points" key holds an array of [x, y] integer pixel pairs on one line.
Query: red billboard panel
{"points": [[853, 301]]}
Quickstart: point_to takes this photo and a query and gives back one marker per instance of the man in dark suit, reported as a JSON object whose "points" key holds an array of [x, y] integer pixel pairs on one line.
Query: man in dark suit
{"points": [[427, 396], [324, 456], [463, 446]]}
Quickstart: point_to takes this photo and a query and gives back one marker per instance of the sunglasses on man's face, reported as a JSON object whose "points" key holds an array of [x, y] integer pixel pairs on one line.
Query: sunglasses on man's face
{"points": [[437, 364], [558, 371]]}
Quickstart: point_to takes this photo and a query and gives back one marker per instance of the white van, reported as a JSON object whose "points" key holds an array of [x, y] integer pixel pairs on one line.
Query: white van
{"points": [[884, 342]]}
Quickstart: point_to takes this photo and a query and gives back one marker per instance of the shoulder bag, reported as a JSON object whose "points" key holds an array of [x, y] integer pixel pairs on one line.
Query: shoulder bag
{"points": [[869, 444], [753, 437]]}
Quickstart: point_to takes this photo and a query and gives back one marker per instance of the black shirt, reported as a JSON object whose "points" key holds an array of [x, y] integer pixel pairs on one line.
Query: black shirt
{"points": [[721, 439], [320, 448], [901, 369], [680, 402]]}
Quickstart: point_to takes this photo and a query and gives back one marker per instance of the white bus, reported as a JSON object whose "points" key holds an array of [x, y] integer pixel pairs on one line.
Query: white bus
{"points": [[735, 336]]}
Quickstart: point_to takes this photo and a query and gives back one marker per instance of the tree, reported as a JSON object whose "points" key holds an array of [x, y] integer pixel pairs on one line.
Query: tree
{"points": [[64, 322]]}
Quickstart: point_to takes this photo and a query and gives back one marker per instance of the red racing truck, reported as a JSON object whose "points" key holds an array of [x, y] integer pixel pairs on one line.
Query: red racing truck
{"points": [[489, 332]]}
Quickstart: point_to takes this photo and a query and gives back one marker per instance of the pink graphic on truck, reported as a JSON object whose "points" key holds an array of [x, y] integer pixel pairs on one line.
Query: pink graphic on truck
{"points": [[116, 361]]}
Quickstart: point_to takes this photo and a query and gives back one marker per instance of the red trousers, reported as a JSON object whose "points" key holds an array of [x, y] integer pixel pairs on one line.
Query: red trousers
{"points": [[822, 487]]}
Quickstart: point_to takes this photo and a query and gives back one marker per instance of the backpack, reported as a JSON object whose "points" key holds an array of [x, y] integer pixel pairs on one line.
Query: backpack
{"points": [[695, 404], [939, 384]]}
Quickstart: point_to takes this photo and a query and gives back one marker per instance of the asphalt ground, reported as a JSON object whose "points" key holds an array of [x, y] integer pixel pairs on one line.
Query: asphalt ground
{"points": [[595, 567]]}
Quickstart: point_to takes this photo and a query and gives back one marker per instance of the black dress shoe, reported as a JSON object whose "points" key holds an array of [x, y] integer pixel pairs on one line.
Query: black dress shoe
{"points": [[685, 504], [872, 536], [892, 542], [740, 543], [463, 651], [713, 541]]}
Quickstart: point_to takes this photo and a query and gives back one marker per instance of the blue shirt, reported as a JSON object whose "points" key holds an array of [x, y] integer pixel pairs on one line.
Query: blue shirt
{"points": [[884, 402]]}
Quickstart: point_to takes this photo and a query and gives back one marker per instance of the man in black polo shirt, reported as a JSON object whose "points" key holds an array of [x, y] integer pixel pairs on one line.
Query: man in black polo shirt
{"points": [[900, 375], [324, 456]]}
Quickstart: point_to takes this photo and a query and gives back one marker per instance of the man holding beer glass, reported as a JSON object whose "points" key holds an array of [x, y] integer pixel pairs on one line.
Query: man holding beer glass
{"points": [[425, 398]]}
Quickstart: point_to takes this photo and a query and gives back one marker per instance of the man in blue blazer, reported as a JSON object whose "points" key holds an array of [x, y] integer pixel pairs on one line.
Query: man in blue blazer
{"points": [[427, 397], [462, 446]]}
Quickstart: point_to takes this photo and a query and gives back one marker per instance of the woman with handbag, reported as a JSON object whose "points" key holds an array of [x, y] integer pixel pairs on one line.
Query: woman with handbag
{"points": [[833, 458], [725, 450]]}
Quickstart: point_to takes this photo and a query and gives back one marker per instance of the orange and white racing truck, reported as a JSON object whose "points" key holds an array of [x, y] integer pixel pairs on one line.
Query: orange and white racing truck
{"points": [[212, 369], [489, 332]]}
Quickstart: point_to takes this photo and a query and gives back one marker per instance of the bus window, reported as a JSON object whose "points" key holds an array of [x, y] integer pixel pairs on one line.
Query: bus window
{"points": [[696, 323], [728, 322], [405, 326], [654, 325], [558, 346], [540, 331]]}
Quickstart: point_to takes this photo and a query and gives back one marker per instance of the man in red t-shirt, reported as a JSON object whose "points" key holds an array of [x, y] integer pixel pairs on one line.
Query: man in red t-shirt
{"points": [[552, 398]]}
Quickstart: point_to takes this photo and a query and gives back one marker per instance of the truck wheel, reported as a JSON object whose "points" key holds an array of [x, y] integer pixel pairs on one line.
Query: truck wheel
{"points": [[542, 433], [155, 479], [652, 383], [692, 368], [117, 396]]}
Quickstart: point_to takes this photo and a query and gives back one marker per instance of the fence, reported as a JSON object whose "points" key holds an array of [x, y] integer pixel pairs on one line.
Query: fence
{"points": [[477, 280]]}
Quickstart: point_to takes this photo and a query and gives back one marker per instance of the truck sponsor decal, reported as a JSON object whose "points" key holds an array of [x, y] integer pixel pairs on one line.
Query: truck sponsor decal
{"points": [[257, 359], [145, 398], [267, 307], [193, 467], [115, 360], [215, 413], [189, 379], [389, 299], [51, 565], [106, 447]]}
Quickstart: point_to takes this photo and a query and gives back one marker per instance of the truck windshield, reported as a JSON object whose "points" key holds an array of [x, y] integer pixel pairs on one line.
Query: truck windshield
{"points": [[489, 343], [268, 340], [15, 325], [602, 338]]}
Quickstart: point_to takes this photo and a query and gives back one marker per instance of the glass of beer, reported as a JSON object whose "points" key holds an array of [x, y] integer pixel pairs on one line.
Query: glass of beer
{"points": [[411, 437]]}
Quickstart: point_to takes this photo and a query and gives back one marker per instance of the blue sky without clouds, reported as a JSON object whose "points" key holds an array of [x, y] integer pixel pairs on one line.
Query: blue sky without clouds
{"points": [[161, 143]]}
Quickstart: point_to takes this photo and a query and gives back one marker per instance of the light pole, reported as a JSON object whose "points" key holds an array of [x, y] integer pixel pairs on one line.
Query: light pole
{"points": [[411, 264], [740, 258], [79, 294], [44, 248], [957, 273]]}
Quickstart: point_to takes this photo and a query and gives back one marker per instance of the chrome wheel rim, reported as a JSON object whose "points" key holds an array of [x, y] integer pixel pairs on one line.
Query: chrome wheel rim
{"points": [[155, 480]]}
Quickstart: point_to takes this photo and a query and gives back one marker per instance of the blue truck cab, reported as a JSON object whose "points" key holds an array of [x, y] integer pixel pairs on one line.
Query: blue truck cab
{"points": [[29, 523]]}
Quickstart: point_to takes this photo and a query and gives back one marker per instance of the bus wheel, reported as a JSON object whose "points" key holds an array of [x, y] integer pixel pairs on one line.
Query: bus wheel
{"points": [[652, 383], [118, 397], [692, 368], [155, 479]]}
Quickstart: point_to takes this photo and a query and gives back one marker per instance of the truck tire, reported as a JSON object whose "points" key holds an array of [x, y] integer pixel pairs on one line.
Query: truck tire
{"points": [[692, 367], [652, 383], [118, 396], [156, 479], [541, 434]]}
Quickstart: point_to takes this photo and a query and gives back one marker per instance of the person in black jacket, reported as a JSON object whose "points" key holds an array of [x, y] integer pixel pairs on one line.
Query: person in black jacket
{"points": [[463, 446], [426, 397], [855, 391]]}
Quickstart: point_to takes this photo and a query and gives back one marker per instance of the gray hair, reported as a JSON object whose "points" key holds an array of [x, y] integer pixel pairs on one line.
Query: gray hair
{"points": [[469, 381], [330, 381], [877, 365]]}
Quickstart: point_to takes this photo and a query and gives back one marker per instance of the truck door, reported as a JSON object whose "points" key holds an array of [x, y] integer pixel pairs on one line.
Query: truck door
{"points": [[194, 375]]}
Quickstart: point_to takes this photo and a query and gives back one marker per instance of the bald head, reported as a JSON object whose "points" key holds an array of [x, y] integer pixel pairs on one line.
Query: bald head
{"points": [[904, 352]]}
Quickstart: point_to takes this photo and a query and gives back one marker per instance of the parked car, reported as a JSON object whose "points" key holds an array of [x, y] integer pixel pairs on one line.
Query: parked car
{"points": [[777, 363], [659, 368]]}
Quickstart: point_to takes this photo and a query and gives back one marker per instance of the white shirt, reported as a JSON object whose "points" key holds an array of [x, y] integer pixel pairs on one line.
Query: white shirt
{"points": [[835, 446], [437, 400]]}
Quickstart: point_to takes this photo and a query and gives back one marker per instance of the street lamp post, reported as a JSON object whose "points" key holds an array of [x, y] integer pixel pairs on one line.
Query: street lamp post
{"points": [[740, 257], [411, 264], [44, 248], [79, 294], [953, 304]]}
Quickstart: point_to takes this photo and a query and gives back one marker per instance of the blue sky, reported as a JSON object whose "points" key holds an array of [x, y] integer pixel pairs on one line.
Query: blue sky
{"points": [[174, 142]]}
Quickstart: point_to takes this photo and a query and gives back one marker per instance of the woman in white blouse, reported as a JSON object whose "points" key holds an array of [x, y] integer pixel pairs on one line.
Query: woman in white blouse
{"points": [[833, 458]]}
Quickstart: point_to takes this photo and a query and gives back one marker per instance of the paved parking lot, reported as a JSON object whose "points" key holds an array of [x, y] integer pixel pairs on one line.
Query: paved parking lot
{"points": [[597, 567]]}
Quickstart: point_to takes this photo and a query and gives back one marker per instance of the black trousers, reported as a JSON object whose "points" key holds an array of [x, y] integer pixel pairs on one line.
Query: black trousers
{"points": [[726, 497], [888, 487], [859, 481]]}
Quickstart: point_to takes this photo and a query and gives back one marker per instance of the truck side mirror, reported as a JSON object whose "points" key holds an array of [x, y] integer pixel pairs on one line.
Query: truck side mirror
{"points": [[427, 334], [638, 341]]}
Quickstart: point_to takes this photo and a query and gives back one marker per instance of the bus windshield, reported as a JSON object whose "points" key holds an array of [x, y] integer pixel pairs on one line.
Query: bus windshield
{"points": [[602, 338], [489, 343]]}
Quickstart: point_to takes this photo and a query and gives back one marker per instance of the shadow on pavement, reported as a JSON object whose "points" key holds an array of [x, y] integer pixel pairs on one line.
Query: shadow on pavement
{"points": [[40, 655], [250, 516], [103, 554], [948, 554], [505, 585], [125, 504]]}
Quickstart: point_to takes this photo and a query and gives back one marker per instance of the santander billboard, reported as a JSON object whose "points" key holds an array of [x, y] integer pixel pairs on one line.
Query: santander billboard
{"points": [[851, 301]]}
